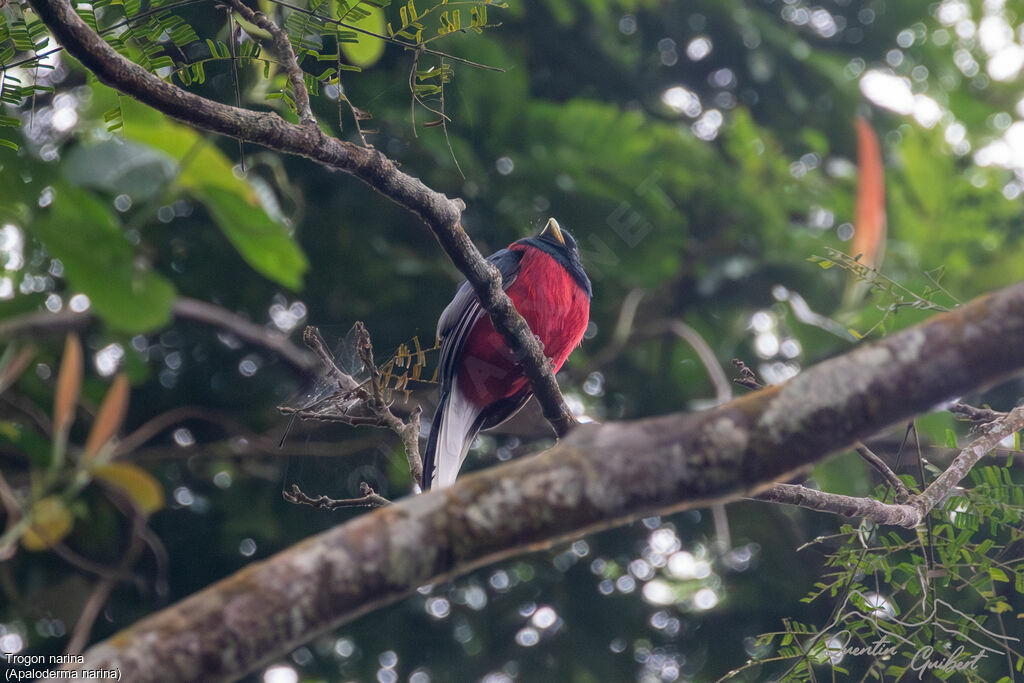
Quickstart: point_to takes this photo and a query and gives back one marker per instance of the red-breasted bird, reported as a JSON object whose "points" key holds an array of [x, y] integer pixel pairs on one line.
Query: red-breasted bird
{"points": [[481, 382]]}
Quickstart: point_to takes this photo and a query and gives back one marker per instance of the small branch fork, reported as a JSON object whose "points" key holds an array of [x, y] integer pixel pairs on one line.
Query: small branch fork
{"points": [[442, 214], [357, 404], [912, 509], [369, 499]]}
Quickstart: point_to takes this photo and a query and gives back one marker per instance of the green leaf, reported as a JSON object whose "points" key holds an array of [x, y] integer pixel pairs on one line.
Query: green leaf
{"points": [[367, 50], [100, 262], [263, 243], [208, 175], [950, 438], [997, 574]]}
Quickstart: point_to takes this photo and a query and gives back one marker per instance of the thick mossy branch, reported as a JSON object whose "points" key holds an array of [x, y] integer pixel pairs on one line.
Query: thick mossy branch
{"points": [[441, 214], [599, 476]]}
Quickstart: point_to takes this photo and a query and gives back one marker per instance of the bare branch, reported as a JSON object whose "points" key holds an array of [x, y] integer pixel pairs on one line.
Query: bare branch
{"points": [[441, 214], [169, 418], [963, 411], [901, 491], [968, 457], [848, 506], [354, 405], [369, 499], [12, 509], [246, 330], [314, 340], [601, 475], [101, 593], [747, 376], [34, 325], [723, 391], [288, 59]]}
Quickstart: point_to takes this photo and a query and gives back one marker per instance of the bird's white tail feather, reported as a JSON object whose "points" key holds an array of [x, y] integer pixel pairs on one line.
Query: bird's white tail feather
{"points": [[455, 438]]}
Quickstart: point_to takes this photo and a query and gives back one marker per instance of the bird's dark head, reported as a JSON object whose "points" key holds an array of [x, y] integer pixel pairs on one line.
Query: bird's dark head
{"points": [[556, 241]]}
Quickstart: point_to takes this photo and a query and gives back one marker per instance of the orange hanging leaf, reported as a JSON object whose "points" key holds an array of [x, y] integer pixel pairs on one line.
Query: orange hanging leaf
{"points": [[869, 220], [110, 417], [69, 384]]}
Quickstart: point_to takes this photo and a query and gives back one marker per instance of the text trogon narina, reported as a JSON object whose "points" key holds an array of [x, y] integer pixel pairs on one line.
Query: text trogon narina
{"points": [[481, 382]]}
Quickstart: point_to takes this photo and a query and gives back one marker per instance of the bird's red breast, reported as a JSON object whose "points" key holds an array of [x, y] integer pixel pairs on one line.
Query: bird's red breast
{"points": [[554, 306]]}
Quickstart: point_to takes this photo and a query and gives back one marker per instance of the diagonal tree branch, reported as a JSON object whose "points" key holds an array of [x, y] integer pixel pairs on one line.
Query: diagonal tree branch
{"points": [[968, 458], [599, 476], [287, 55], [441, 214]]}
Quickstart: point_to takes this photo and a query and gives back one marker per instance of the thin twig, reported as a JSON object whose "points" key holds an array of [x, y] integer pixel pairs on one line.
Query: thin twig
{"points": [[85, 564], [369, 499], [33, 325], [409, 431], [232, 37], [360, 404], [364, 347], [848, 506], [902, 493], [385, 38], [14, 514], [723, 392], [747, 376], [314, 340], [101, 593], [968, 457], [253, 446], [283, 45], [963, 411], [168, 419]]}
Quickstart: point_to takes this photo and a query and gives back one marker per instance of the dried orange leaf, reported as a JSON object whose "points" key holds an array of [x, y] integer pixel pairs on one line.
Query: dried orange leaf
{"points": [[69, 384], [51, 522], [13, 370], [421, 358], [110, 417], [134, 482], [869, 213]]}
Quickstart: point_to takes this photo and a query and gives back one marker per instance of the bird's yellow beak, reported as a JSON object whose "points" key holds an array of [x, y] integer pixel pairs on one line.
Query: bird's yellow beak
{"points": [[552, 229]]}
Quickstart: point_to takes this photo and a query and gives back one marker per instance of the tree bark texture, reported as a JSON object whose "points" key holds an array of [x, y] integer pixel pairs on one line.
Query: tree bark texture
{"points": [[599, 476]]}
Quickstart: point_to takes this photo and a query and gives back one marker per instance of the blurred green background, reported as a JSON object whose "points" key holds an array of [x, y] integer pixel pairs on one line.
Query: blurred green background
{"points": [[700, 152]]}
